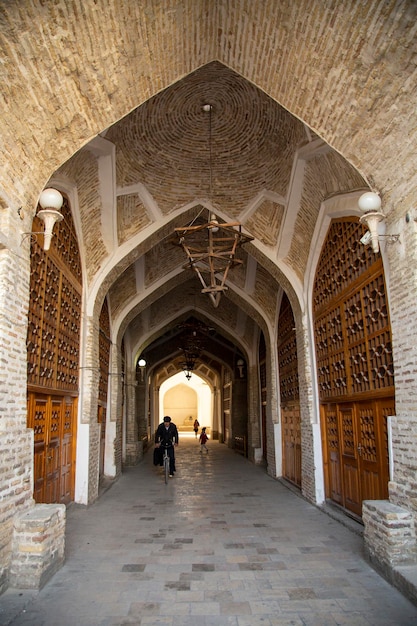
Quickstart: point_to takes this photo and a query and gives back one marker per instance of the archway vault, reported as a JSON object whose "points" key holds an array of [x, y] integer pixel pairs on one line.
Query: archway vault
{"points": [[141, 60]]}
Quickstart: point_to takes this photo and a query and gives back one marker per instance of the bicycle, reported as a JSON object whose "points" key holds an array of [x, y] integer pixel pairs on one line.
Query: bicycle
{"points": [[166, 464]]}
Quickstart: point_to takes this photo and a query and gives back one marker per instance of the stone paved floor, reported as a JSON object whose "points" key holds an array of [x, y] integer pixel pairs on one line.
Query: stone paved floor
{"points": [[221, 544]]}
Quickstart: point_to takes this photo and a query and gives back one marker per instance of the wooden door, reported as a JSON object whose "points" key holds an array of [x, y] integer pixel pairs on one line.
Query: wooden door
{"points": [[54, 424], [331, 454], [373, 448], [356, 451], [354, 366], [291, 442], [349, 459]]}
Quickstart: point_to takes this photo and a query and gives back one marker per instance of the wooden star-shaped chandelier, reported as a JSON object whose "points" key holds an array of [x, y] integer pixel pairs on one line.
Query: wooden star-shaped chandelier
{"points": [[211, 247], [211, 250]]}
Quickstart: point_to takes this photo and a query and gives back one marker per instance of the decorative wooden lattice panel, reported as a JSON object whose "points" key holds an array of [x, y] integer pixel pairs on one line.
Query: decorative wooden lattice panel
{"points": [[287, 353], [352, 330], [104, 352], [55, 312]]}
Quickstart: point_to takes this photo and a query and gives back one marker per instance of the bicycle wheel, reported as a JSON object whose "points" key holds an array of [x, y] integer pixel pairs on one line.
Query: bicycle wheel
{"points": [[166, 466]]}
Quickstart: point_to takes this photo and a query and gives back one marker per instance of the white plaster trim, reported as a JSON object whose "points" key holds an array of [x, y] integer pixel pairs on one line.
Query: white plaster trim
{"points": [[278, 449], [152, 209], [256, 202], [390, 419], [295, 190], [109, 450], [318, 464], [250, 278], [82, 464], [105, 152], [140, 273]]}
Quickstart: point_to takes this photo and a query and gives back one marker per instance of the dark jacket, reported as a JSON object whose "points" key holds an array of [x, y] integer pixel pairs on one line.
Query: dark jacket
{"points": [[166, 436]]}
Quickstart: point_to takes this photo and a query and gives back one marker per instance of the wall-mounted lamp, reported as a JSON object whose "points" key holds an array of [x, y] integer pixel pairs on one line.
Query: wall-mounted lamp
{"points": [[370, 204], [142, 366], [51, 202], [240, 365]]}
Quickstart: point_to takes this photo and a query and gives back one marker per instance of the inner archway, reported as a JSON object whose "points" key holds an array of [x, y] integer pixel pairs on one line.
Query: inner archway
{"points": [[186, 400]]}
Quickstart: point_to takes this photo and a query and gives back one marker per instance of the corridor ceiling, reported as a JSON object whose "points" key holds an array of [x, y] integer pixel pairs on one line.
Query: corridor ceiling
{"points": [[173, 166]]}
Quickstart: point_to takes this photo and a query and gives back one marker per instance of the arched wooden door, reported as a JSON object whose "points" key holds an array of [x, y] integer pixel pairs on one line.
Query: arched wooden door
{"points": [[53, 344], [354, 367], [262, 380], [289, 394]]}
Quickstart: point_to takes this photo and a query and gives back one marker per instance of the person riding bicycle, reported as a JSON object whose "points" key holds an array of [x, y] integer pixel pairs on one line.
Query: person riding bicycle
{"points": [[167, 437]]}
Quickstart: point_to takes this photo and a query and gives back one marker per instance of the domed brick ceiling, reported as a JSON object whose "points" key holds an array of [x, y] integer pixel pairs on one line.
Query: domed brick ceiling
{"points": [[164, 144]]}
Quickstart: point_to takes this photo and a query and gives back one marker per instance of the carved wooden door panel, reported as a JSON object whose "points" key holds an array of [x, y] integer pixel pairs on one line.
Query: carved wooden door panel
{"points": [[372, 450], [37, 409], [331, 453], [68, 443], [52, 466], [349, 459], [291, 435]]}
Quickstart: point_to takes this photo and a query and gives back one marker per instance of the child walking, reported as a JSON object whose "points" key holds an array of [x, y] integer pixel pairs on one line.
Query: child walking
{"points": [[203, 440]]}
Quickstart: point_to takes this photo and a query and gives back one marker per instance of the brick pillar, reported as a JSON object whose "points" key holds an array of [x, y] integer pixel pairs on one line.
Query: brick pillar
{"points": [[88, 455], [38, 545], [134, 447], [16, 441], [389, 536]]}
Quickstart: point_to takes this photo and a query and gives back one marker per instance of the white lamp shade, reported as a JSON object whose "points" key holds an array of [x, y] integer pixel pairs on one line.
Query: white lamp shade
{"points": [[214, 221], [369, 201], [142, 363], [51, 199]]}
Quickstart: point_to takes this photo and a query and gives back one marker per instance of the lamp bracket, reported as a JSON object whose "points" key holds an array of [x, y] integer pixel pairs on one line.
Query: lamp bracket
{"points": [[33, 236], [390, 238]]}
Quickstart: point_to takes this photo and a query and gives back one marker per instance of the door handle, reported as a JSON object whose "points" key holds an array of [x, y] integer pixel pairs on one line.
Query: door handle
{"points": [[360, 450]]}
